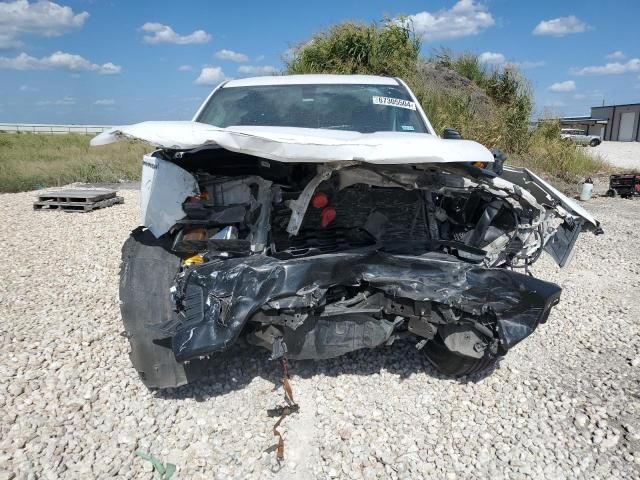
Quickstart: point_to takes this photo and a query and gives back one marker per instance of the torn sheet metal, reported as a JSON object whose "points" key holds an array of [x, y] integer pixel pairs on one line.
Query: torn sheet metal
{"points": [[547, 194], [307, 145], [164, 186], [234, 290], [299, 206]]}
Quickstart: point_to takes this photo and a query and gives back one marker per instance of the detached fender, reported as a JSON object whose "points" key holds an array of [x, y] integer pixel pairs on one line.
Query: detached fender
{"points": [[547, 194]]}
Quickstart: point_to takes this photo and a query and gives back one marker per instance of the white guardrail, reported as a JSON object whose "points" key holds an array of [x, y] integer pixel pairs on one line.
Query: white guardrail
{"points": [[52, 129]]}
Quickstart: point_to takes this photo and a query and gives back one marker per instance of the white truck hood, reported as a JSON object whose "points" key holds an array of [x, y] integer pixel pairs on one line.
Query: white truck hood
{"points": [[309, 145]]}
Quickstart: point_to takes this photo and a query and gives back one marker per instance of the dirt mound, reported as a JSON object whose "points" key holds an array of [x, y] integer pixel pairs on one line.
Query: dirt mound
{"points": [[440, 79]]}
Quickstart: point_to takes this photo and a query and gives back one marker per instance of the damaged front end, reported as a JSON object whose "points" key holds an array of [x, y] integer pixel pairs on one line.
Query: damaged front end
{"points": [[313, 261], [328, 305]]}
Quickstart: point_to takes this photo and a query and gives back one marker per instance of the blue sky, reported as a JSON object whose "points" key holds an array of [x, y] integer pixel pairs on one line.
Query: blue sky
{"points": [[115, 62]]}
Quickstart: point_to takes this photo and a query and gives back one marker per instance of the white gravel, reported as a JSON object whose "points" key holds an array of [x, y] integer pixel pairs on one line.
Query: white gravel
{"points": [[624, 155], [563, 404]]}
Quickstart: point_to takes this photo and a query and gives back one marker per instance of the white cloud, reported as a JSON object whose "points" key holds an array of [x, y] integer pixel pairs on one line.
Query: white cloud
{"points": [[465, 18], [495, 58], [617, 55], [561, 26], [210, 76], [615, 68], [62, 101], [562, 87], [9, 40], [43, 18], [27, 88], [529, 64], [107, 69], [593, 94], [492, 58], [164, 34], [58, 60], [185, 68], [257, 69], [104, 102], [231, 55]]}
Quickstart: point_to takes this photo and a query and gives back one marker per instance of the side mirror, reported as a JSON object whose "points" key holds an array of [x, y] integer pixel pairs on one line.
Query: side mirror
{"points": [[499, 158], [451, 134]]}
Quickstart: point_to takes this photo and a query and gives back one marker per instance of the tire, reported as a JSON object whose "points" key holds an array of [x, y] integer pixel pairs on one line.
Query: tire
{"points": [[452, 364], [594, 143], [611, 193], [146, 274]]}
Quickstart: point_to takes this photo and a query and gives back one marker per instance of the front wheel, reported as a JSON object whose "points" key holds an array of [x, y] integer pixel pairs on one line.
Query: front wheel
{"points": [[147, 272], [594, 143]]}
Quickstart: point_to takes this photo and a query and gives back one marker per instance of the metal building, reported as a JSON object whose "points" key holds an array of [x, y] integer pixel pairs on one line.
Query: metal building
{"points": [[624, 121], [611, 122]]}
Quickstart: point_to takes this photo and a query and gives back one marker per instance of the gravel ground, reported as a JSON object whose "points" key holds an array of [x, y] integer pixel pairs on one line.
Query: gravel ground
{"points": [[619, 154], [563, 404]]}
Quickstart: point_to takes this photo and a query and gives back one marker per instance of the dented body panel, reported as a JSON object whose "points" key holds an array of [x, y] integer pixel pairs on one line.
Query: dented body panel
{"points": [[288, 144], [221, 297]]}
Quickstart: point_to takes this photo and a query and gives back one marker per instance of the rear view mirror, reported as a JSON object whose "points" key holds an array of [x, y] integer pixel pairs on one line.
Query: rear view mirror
{"points": [[451, 134]]}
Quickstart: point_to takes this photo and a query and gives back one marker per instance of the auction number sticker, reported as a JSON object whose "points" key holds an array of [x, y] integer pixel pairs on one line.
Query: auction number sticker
{"points": [[394, 102]]}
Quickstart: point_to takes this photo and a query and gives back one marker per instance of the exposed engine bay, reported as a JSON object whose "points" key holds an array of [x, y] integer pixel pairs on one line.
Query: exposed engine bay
{"points": [[312, 261], [318, 215]]}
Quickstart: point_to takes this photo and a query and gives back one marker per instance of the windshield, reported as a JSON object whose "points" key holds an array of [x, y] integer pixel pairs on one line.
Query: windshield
{"points": [[360, 108]]}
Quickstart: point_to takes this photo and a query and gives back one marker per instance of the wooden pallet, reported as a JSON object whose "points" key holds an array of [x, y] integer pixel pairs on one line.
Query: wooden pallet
{"points": [[77, 200]]}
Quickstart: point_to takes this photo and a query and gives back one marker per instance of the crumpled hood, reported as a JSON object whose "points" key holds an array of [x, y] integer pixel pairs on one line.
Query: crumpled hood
{"points": [[288, 144]]}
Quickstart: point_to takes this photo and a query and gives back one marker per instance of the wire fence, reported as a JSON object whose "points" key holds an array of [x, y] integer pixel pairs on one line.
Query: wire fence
{"points": [[52, 129]]}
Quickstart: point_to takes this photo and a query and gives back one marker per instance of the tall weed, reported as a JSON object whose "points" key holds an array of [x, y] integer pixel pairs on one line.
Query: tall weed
{"points": [[31, 161]]}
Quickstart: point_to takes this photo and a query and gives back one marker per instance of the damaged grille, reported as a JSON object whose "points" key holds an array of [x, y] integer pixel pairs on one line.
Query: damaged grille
{"points": [[193, 304], [364, 216], [318, 241]]}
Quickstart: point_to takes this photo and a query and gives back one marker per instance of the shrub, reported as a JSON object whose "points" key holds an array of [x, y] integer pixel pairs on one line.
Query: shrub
{"points": [[351, 48], [454, 110], [508, 123]]}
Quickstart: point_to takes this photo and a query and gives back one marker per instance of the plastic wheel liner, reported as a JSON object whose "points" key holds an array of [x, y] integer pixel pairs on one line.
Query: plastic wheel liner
{"points": [[215, 300]]}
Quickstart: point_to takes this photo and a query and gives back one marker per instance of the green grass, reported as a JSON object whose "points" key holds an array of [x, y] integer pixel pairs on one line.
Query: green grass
{"points": [[559, 159], [33, 161]]}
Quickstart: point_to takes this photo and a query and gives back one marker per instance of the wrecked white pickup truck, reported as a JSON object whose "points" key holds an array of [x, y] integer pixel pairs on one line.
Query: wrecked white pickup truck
{"points": [[317, 215]]}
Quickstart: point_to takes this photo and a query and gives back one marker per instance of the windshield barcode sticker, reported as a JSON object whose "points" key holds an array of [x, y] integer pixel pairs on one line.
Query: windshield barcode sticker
{"points": [[394, 102]]}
